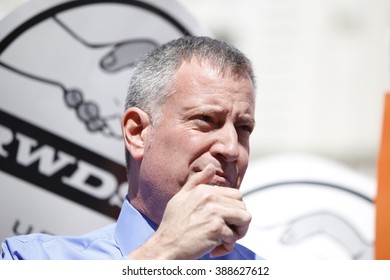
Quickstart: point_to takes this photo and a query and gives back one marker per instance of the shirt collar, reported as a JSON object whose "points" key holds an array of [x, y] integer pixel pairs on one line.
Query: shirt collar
{"points": [[132, 228]]}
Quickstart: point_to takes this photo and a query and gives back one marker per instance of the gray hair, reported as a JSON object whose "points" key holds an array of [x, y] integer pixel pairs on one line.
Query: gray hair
{"points": [[151, 84]]}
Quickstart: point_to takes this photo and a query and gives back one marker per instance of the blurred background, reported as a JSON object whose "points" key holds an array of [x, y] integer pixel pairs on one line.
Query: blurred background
{"points": [[322, 69], [322, 72]]}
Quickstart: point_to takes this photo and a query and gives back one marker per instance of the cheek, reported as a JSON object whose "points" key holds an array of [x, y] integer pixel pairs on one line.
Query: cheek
{"points": [[243, 167], [242, 163], [171, 153], [176, 148], [183, 151]]}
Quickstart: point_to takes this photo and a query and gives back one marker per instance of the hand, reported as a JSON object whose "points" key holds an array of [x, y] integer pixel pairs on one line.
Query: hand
{"points": [[200, 218]]}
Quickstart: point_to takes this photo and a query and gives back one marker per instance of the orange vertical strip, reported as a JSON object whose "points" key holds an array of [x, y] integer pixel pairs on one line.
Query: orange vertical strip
{"points": [[382, 239]]}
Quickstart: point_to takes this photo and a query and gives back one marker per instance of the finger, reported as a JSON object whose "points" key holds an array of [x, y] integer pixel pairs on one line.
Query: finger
{"points": [[229, 235], [236, 216], [222, 249], [230, 193], [202, 177], [239, 231], [237, 224], [229, 198]]}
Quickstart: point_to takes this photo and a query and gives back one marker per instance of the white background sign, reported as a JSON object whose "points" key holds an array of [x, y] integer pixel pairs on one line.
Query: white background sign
{"points": [[64, 71]]}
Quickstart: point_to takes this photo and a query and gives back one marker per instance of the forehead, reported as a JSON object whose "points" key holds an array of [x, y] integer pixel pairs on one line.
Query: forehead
{"points": [[196, 80]]}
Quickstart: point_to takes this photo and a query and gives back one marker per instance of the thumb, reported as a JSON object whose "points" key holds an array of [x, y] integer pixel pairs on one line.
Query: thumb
{"points": [[202, 177]]}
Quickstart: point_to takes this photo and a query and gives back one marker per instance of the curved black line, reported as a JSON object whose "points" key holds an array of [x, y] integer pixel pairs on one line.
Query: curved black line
{"points": [[95, 46], [31, 76], [317, 183], [77, 37], [64, 90], [51, 12]]}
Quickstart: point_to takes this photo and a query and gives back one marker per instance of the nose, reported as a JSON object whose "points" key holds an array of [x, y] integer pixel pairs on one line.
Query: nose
{"points": [[226, 143]]}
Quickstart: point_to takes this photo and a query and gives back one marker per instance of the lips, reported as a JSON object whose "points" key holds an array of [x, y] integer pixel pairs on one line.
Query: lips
{"points": [[221, 179]]}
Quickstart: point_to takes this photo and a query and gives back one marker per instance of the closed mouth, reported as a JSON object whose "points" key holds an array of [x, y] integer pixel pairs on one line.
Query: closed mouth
{"points": [[220, 179]]}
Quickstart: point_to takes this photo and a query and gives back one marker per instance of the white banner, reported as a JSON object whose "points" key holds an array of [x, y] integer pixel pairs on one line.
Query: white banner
{"points": [[64, 71]]}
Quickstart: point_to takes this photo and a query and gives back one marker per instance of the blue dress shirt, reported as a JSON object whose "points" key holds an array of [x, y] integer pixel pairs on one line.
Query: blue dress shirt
{"points": [[114, 241]]}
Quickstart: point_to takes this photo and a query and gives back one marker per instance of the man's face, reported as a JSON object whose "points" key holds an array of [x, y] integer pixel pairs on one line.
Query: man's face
{"points": [[208, 119]]}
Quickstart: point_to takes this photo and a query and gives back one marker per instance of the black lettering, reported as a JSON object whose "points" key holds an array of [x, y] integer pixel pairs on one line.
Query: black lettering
{"points": [[48, 161]]}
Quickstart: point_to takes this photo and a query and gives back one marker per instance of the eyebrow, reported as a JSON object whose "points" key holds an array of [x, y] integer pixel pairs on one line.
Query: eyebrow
{"points": [[215, 109], [246, 119]]}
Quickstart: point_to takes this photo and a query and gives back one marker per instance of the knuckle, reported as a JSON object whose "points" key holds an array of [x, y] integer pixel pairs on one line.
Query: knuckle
{"points": [[248, 217], [210, 198], [216, 227], [236, 194]]}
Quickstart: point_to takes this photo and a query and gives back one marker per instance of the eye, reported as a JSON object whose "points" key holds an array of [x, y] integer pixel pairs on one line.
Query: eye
{"points": [[205, 122], [246, 128], [205, 118]]}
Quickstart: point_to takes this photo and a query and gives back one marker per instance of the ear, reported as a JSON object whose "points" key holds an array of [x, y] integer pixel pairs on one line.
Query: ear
{"points": [[135, 124]]}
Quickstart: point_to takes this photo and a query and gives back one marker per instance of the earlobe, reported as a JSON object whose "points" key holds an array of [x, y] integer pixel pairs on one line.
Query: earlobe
{"points": [[135, 123]]}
